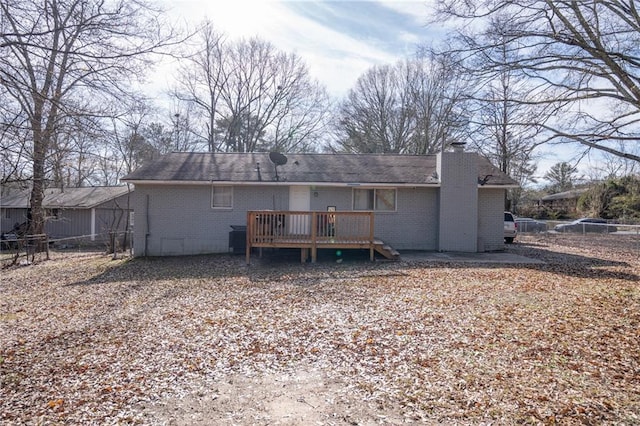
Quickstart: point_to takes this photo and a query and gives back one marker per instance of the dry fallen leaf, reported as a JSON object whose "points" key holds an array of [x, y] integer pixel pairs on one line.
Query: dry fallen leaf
{"points": [[146, 341]]}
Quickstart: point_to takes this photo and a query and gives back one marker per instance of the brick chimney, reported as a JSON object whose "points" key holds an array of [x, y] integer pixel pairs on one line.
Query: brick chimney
{"points": [[458, 200]]}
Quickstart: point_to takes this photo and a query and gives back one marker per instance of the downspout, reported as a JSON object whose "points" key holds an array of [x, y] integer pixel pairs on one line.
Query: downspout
{"points": [[146, 232], [93, 224]]}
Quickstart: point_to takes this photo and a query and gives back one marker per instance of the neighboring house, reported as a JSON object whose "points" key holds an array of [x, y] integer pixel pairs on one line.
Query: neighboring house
{"points": [[90, 212], [565, 202], [186, 203]]}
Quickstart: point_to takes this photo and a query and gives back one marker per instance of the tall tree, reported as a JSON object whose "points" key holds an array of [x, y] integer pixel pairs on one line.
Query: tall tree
{"points": [[439, 92], [250, 96], [561, 177], [507, 121], [377, 114], [584, 56], [201, 76], [14, 149], [412, 107], [65, 58], [71, 158]]}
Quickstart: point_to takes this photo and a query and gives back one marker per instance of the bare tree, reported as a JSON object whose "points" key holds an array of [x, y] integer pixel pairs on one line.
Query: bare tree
{"points": [[610, 166], [186, 134], [250, 96], [506, 121], [263, 88], [64, 58], [201, 75], [440, 93], [412, 107], [14, 149], [127, 147], [71, 160], [377, 115], [583, 56]]}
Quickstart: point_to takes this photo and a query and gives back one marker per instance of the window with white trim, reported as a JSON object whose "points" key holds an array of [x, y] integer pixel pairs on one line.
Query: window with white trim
{"points": [[378, 199], [221, 197]]}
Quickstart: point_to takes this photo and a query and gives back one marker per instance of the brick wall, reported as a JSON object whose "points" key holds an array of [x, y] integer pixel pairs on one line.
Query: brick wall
{"points": [[490, 219], [181, 220], [413, 226], [455, 217]]}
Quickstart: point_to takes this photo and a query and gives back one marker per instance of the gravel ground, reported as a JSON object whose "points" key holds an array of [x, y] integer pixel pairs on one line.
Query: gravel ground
{"points": [[206, 340]]}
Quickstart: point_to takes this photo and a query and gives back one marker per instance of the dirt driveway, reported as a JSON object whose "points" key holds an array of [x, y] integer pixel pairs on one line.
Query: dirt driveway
{"points": [[206, 340]]}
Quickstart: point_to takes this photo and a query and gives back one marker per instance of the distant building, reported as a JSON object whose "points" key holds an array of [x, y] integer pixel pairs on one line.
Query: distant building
{"points": [[90, 212], [565, 202]]}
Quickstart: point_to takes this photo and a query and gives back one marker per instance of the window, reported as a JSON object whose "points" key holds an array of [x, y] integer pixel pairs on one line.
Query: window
{"points": [[221, 197], [383, 200]]}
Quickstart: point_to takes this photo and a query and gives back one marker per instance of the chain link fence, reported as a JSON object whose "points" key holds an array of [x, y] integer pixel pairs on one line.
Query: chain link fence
{"points": [[28, 249], [606, 235]]}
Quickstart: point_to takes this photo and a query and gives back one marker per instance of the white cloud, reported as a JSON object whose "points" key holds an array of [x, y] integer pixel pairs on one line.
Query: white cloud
{"points": [[419, 9], [335, 58]]}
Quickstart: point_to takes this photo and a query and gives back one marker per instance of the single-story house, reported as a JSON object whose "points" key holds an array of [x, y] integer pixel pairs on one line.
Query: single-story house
{"points": [[90, 212], [566, 201], [186, 203]]}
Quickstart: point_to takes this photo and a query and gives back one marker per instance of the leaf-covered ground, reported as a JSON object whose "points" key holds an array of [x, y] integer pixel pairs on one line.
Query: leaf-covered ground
{"points": [[206, 340]]}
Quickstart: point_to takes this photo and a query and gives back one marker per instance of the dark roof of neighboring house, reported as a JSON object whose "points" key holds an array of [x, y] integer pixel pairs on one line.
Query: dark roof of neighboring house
{"points": [[68, 198], [566, 195], [302, 168]]}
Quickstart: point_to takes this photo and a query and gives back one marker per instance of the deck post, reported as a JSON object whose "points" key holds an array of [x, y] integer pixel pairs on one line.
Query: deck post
{"points": [[314, 237], [248, 239]]}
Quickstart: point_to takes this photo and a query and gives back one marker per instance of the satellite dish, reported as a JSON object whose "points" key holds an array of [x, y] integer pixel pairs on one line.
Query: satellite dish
{"points": [[277, 158]]}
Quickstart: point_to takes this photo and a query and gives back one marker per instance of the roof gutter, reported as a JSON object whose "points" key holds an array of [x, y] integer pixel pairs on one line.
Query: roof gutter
{"points": [[325, 184], [286, 183], [508, 186]]}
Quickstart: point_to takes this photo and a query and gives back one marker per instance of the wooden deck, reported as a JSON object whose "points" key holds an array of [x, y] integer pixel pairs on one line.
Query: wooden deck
{"points": [[311, 231]]}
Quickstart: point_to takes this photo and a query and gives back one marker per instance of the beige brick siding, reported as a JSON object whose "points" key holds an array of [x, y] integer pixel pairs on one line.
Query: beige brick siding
{"points": [[458, 213], [182, 222], [490, 219]]}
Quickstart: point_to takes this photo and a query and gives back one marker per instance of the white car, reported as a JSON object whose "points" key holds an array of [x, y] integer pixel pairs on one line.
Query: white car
{"points": [[510, 228]]}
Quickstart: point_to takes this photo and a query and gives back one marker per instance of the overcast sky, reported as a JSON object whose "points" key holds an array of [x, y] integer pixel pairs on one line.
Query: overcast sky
{"points": [[338, 40]]}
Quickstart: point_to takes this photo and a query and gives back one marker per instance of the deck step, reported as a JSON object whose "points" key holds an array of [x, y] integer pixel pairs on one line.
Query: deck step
{"points": [[387, 251]]}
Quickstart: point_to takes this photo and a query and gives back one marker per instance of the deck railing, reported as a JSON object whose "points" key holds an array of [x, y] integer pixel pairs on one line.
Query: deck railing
{"points": [[309, 230]]}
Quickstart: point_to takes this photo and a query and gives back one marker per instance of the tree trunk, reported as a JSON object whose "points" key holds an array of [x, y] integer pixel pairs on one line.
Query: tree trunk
{"points": [[36, 222]]}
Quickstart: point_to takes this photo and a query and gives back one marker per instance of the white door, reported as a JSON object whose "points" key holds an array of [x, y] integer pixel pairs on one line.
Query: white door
{"points": [[299, 200]]}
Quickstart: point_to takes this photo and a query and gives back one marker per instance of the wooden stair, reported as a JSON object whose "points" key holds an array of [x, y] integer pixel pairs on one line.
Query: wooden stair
{"points": [[386, 250]]}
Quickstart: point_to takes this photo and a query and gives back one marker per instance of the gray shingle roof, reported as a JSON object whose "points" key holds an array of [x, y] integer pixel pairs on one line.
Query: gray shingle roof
{"points": [[69, 198], [302, 168], [566, 195]]}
